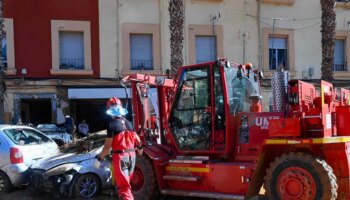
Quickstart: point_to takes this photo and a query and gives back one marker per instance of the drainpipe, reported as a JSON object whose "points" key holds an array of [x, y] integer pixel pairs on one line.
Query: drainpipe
{"points": [[244, 35], [161, 21], [259, 36], [244, 48], [118, 40]]}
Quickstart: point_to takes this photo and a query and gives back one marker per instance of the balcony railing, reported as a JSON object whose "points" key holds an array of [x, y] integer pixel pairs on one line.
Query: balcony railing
{"points": [[339, 67], [72, 64], [141, 64], [4, 61], [202, 61]]}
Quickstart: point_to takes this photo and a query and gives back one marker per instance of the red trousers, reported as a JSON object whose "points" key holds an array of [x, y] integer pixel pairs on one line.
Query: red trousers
{"points": [[123, 167]]}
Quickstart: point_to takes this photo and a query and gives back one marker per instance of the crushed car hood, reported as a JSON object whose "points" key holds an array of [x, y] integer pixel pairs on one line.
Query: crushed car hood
{"points": [[64, 158]]}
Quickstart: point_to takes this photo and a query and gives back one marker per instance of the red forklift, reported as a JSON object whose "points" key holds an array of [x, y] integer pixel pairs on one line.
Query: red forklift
{"points": [[205, 135]]}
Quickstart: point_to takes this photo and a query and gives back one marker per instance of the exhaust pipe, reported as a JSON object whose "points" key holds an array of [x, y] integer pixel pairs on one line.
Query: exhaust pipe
{"points": [[279, 83]]}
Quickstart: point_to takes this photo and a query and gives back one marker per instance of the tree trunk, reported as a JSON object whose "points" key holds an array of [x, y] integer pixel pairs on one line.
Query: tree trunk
{"points": [[2, 67], [328, 42], [176, 26]]}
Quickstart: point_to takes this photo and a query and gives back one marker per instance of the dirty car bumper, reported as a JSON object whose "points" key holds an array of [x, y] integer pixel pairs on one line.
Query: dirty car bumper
{"points": [[58, 184]]}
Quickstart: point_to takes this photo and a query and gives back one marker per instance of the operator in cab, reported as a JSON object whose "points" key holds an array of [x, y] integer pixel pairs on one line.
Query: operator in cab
{"points": [[123, 140]]}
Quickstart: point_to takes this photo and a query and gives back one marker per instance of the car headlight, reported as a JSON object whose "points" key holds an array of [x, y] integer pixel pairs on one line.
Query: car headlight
{"points": [[60, 169]]}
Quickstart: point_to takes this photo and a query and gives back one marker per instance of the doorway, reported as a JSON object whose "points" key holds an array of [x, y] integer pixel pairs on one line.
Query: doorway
{"points": [[36, 111], [93, 111], [36, 108]]}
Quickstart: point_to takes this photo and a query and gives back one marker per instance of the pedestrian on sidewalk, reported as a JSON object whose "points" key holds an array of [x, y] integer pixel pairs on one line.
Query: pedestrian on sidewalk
{"points": [[83, 129]]}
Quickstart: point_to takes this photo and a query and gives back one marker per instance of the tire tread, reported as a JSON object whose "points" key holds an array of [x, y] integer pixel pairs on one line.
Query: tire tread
{"points": [[327, 178]]}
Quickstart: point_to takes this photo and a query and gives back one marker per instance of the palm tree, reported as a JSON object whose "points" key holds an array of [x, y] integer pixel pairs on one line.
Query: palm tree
{"points": [[2, 67], [176, 26], [328, 34]]}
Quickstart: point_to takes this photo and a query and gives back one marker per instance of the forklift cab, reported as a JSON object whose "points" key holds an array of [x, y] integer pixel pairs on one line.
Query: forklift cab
{"points": [[207, 94]]}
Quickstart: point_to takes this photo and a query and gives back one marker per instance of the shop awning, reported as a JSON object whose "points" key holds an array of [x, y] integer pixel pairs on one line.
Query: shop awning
{"points": [[96, 93]]}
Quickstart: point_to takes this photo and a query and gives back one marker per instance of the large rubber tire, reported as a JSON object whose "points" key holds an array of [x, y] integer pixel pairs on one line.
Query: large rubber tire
{"points": [[144, 183], [5, 183], [300, 176], [86, 186]]}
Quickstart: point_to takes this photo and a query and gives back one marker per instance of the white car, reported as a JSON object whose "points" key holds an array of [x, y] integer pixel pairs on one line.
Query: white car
{"points": [[20, 147]]}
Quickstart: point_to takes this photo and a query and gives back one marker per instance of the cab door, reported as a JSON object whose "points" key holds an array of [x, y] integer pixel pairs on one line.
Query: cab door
{"points": [[193, 120]]}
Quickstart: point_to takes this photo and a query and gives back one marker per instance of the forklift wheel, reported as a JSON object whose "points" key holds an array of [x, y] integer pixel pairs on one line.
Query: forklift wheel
{"points": [[300, 176], [144, 181]]}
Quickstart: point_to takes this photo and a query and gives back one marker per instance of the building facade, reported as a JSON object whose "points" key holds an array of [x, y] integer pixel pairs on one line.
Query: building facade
{"points": [[52, 48], [271, 34], [66, 57]]}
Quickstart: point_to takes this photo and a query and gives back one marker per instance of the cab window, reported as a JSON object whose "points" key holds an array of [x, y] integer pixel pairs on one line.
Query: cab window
{"points": [[190, 118], [240, 89]]}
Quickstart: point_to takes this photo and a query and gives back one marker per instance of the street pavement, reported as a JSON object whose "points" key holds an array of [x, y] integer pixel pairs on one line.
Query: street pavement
{"points": [[22, 194]]}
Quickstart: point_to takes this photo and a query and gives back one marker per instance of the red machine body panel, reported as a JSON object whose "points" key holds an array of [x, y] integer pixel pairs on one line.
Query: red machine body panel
{"points": [[210, 138], [285, 127], [213, 177], [343, 120], [250, 139]]}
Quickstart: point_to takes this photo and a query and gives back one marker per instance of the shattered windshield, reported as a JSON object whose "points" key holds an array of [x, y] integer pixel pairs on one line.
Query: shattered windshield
{"points": [[23, 136]]}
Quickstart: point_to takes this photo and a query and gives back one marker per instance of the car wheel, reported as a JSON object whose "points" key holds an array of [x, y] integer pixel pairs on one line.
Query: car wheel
{"points": [[86, 186], [5, 183]]}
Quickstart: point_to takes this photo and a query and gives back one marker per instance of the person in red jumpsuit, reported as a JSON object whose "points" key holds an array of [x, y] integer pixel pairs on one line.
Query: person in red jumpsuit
{"points": [[123, 141]]}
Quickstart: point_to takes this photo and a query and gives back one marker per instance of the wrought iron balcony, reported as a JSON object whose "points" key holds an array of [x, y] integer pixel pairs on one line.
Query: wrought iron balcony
{"points": [[72, 64], [141, 64], [339, 67]]}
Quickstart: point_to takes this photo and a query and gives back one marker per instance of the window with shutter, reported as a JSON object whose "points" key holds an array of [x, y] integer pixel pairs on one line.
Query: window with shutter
{"points": [[71, 50], [278, 50], [141, 52], [278, 53], [141, 46], [8, 47], [205, 42], [206, 49], [339, 55]]}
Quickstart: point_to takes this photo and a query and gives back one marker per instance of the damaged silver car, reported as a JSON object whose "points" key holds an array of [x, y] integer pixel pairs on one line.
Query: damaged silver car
{"points": [[72, 173]]}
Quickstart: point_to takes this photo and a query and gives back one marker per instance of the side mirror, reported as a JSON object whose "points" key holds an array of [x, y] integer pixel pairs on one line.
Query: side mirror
{"points": [[160, 80]]}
